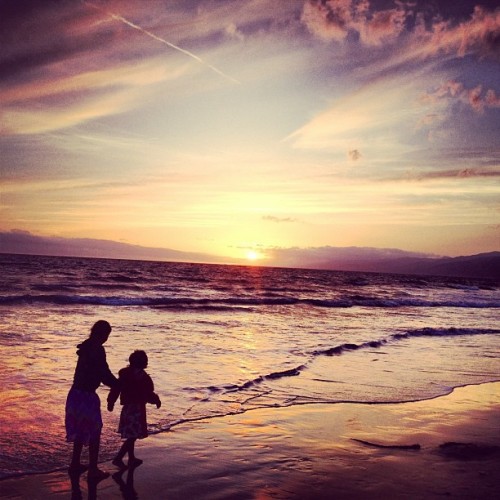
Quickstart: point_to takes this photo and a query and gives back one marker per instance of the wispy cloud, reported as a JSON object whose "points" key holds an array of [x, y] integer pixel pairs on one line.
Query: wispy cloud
{"points": [[369, 118], [458, 174], [28, 108], [272, 218], [120, 18], [478, 98]]}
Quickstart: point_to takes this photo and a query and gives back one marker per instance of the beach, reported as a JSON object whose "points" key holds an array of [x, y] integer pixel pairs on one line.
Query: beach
{"points": [[275, 383], [344, 450]]}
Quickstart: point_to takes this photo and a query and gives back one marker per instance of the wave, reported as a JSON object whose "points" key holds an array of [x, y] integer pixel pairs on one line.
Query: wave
{"points": [[341, 349], [230, 302], [422, 332]]}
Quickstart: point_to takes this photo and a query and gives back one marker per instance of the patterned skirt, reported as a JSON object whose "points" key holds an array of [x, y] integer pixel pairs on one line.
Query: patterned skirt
{"points": [[133, 421], [83, 416]]}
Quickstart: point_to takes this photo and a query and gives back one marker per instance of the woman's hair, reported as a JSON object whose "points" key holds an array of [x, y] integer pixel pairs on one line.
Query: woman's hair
{"points": [[100, 327], [138, 359]]}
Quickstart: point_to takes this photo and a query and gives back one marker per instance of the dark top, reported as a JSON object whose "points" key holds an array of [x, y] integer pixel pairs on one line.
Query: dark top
{"points": [[135, 386], [92, 368]]}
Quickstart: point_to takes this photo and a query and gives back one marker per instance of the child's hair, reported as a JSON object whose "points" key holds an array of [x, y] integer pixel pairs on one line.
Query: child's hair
{"points": [[138, 359]]}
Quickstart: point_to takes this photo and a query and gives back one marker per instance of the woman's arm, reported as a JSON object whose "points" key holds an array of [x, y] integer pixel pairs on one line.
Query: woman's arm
{"points": [[107, 378]]}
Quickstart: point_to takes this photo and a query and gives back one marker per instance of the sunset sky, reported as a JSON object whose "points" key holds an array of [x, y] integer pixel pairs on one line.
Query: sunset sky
{"points": [[233, 126]]}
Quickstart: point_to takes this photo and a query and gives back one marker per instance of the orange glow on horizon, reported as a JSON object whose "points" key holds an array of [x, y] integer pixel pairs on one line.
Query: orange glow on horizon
{"points": [[252, 255]]}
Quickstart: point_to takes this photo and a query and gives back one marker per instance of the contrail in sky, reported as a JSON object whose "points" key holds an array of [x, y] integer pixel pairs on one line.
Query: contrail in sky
{"points": [[159, 39]]}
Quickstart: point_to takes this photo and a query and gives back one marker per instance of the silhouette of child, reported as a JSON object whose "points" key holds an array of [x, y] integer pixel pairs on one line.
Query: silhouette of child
{"points": [[83, 407], [135, 389]]}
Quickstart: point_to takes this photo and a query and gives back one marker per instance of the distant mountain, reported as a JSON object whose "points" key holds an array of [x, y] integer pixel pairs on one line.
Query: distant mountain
{"points": [[23, 242], [388, 260], [382, 260], [484, 265]]}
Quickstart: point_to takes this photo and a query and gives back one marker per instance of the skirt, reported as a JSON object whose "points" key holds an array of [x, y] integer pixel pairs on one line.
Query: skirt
{"points": [[133, 421], [83, 416]]}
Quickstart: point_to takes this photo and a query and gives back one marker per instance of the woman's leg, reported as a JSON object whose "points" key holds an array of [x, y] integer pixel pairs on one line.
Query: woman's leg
{"points": [[94, 453], [95, 474], [75, 457]]}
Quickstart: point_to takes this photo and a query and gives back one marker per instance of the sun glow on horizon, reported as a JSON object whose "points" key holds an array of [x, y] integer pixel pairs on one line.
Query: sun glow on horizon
{"points": [[252, 255]]}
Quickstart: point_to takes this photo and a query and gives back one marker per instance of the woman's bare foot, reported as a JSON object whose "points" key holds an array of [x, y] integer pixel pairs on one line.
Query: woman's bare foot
{"points": [[77, 468], [97, 475]]}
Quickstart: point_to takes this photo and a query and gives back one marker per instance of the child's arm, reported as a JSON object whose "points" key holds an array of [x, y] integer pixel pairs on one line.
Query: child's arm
{"points": [[152, 397]]}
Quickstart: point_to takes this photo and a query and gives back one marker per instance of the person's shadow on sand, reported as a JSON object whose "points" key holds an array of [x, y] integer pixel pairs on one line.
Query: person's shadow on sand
{"points": [[76, 491], [126, 487]]}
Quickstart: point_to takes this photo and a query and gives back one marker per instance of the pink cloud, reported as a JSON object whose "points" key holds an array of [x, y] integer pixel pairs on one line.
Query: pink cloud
{"points": [[334, 19], [476, 34], [330, 21], [474, 97], [384, 25]]}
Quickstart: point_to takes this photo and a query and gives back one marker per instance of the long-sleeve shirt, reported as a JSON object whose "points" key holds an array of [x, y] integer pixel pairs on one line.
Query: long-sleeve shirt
{"points": [[92, 368], [135, 386]]}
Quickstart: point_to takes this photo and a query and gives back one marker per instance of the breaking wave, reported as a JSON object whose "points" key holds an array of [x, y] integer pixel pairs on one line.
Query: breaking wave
{"points": [[248, 301]]}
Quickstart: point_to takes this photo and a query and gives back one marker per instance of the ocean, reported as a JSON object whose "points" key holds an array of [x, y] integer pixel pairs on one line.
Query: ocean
{"points": [[228, 339]]}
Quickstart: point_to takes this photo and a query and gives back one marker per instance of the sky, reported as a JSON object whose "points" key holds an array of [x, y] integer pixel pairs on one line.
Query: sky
{"points": [[246, 129]]}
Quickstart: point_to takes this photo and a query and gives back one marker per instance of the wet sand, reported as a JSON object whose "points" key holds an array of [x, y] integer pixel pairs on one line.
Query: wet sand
{"points": [[337, 451]]}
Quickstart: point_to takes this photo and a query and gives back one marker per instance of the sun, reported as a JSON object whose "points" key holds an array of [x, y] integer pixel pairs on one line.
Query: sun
{"points": [[252, 255]]}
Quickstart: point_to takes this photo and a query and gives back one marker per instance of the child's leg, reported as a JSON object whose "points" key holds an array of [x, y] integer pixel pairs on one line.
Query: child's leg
{"points": [[125, 448], [131, 449], [132, 460]]}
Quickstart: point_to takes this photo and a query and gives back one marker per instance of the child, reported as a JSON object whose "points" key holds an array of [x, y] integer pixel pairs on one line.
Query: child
{"points": [[135, 390]]}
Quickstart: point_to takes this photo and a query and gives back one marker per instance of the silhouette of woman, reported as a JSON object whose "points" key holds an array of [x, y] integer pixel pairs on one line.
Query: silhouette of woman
{"points": [[83, 406]]}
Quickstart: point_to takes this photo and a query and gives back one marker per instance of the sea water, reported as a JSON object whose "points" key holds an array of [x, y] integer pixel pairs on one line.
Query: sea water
{"points": [[229, 339]]}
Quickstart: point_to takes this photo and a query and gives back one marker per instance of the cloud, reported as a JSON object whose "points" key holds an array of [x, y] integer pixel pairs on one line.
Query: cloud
{"points": [[188, 53], [272, 218], [29, 108], [27, 120], [379, 116], [354, 154], [462, 173], [381, 111], [480, 34], [336, 19], [90, 64], [452, 91]]}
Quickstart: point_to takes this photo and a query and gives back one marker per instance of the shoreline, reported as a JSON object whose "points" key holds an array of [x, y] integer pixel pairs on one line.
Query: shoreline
{"points": [[341, 450]]}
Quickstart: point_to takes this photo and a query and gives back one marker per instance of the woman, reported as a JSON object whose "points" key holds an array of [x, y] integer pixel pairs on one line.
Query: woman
{"points": [[83, 406]]}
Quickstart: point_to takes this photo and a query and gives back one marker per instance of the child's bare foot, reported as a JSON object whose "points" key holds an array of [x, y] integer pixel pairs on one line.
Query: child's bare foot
{"points": [[134, 462], [119, 463]]}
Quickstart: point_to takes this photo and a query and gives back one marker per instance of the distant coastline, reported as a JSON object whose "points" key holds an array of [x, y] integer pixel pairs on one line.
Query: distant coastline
{"points": [[357, 259]]}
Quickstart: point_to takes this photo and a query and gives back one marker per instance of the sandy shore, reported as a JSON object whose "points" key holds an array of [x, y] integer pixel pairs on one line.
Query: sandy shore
{"points": [[311, 451]]}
